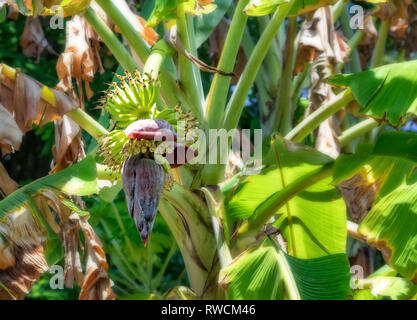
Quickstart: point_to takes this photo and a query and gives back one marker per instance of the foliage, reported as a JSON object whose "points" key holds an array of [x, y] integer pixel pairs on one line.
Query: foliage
{"points": [[288, 227]]}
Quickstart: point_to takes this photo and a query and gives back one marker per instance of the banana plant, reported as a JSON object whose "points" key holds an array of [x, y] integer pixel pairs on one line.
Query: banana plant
{"points": [[277, 229]]}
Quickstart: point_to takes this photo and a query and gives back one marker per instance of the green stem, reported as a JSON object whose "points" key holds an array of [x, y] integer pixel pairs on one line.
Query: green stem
{"points": [[262, 78], [376, 61], [237, 101], [272, 61], [357, 130], [298, 83], [85, 121], [219, 225], [338, 9], [132, 37], [284, 105], [269, 207], [190, 78], [354, 40], [187, 230], [156, 58], [112, 42], [213, 173], [307, 126], [379, 50], [216, 99]]}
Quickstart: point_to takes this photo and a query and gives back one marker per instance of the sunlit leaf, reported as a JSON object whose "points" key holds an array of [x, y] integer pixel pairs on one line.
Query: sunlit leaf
{"points": [[391, 224], [260, 273], [264, 7], [385, 93], [314, 221], [79, 179]]}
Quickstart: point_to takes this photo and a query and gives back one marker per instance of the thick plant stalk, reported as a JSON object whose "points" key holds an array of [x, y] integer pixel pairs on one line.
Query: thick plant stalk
{"points": [[156, 58], [109, 38], [132, 37], [379, 51], [273, 59], [261, 79], [284, 108], [376, 61], [338, 8], [189, 73], [307, 126], [219, 89], [237, 101], [357, 130], [213, 174], [181, 210], [354, 40], [219, 222], [83, 119]]}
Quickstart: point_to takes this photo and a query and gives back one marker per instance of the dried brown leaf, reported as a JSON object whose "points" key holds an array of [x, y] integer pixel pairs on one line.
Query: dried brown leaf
{"points": [[318, 39], [97, 285], [25, 243], [359, 195], [33, 41], [7, 184], [22, 98], [10, 134], [79, 60], [320, 45], [364, 258], [69, 147], [396, 11]]}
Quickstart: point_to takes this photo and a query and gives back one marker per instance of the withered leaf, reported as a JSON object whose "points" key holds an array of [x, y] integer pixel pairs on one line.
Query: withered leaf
{"points": [[320, 45], [97, 284], [22, 98], [396, 11], [33, 41], [25, 244], [10, 134], [359, 195], [318, 38], [79, 60], [69, 147]]}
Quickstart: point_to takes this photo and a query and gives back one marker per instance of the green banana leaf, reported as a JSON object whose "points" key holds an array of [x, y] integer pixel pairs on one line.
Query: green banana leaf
{"points": [[52, 7], [79, 179], [385, 93], [264, 7], [264, 271], [314, 221], [391, 225], [165, 10]]}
